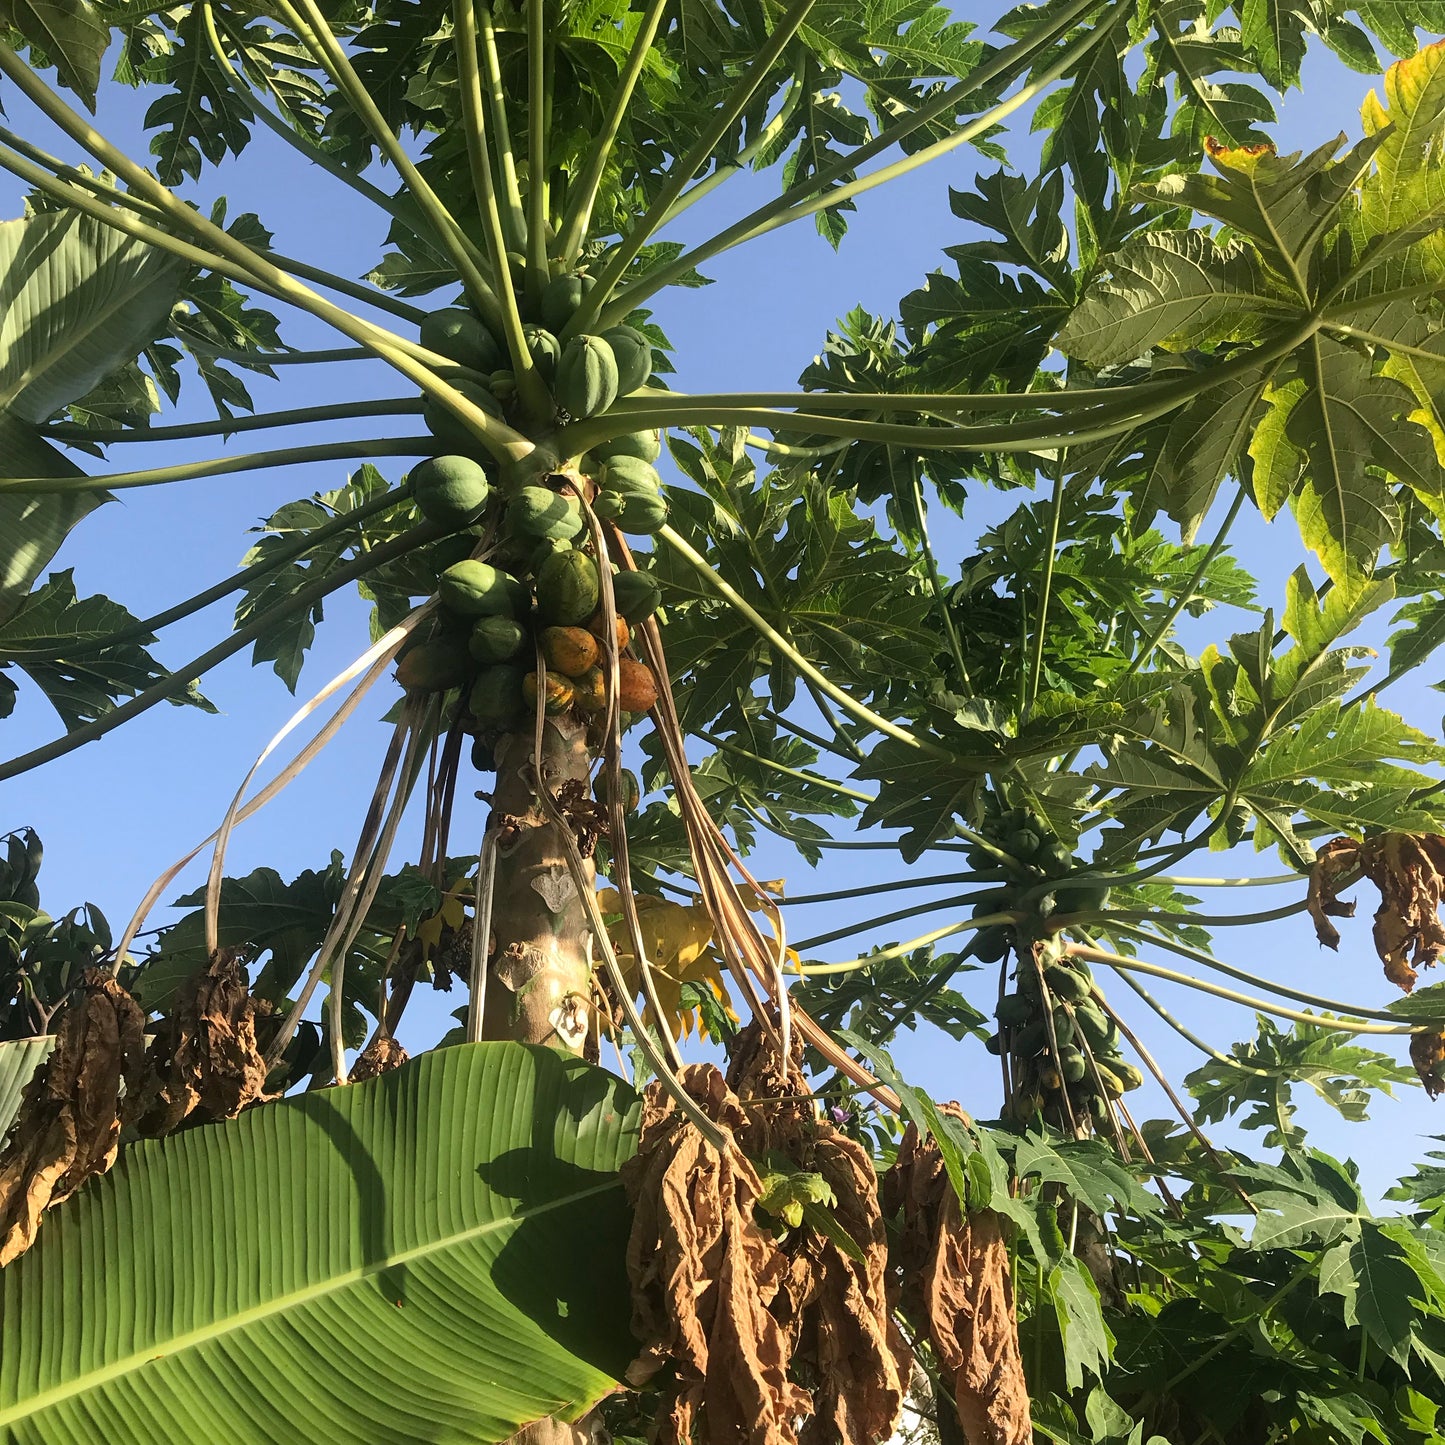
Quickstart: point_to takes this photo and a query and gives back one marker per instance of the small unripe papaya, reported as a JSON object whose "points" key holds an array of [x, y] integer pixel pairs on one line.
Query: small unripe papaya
{"points": [[461, 337], [435, 666], [544, 514], [633, 353], [646, 446], [566, 588], [586, 382], [450, 490], [545, 349], [496, 639], [496, 697], [450, 430], [477, 589], [561, 298], [637, 595]]}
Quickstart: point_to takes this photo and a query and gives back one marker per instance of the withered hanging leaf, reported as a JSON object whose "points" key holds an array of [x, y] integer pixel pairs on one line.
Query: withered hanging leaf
{"points": [[834, 1303], [72, 1110], [1427, 1053], [380, 1056], [204, 1059], [703, 1273], [956, 1284], [1335, 862], [1409, 871]]}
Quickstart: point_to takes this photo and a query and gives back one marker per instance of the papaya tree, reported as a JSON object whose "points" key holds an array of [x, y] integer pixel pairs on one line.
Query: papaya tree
{"points": [[668, 1176]]}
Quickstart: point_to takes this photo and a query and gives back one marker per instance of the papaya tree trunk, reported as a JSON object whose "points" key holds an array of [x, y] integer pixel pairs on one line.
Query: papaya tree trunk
{"points": [[539, 964]]}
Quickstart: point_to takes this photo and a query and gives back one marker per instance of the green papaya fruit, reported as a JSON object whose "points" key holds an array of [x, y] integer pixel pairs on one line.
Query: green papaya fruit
{"points": [[435, 665], [1099, 1111], [539, 512], [994, 1043], [991, 944], [496, 697], [1128, 1075], [640, 516], [637, 595], [561, 298], [496, 639], [1055, 857], [630, 477], [1083, 897], [586, 382], [646, 446], [477, 589], [1031, 1039], [1111, 1083], [1072, 1064], [450, 490], [1023, 843], [1013, 1010], [484, 760], [633, 353], [544, 551], [1063, 1026], [461, 337], [567, 589], [450, 430], [1098, 1029], [1066, 983], [546, 350]]}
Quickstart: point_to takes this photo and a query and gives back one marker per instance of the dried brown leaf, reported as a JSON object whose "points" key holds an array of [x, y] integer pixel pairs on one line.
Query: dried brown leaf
{"points": [[703, 1274], [380, 1056], [1409, 871], [956, 1284], [204, 1060], [1427, 1053], [1335, 861], [68, 1126]]}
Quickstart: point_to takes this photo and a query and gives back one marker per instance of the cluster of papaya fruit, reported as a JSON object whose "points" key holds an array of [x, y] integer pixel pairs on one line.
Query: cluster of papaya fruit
{"points": [[493, 621], [1059, 1039], [1061, 1043], [584, 377]]}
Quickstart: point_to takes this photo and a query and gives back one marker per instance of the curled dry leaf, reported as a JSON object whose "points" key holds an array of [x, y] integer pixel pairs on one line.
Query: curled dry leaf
{"points": [[956, 1285], [204, 1060], [1427, 1053], [72, 1110], [380, 1056], [703, 1274], [1409, 871]]}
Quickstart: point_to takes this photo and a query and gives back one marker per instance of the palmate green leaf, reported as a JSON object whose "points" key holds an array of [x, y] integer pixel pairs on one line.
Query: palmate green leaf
{"points": [[1174, 289], [33, 527], [76, 300], [71, 34], [59, 640], [19, 1059], [1087, 1340], [461, 1215]]}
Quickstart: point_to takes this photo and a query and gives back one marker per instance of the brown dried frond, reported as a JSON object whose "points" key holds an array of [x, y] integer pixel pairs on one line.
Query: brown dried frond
{"points": [[956, 1285], [1336, 861], [1427, 1053], [835, 1307], [204, 1060], [1409, 871], [703, 1273], [72, 1110], [380, 1056]]}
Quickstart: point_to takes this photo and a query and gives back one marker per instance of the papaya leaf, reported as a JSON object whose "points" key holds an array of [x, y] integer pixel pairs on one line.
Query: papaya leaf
{"points": [[70, 34], [1174, 289], [336, 1256], [62, 642]]}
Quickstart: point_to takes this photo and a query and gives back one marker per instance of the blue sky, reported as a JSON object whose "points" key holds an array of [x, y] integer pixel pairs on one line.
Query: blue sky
{"points": [[116, 813]]}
